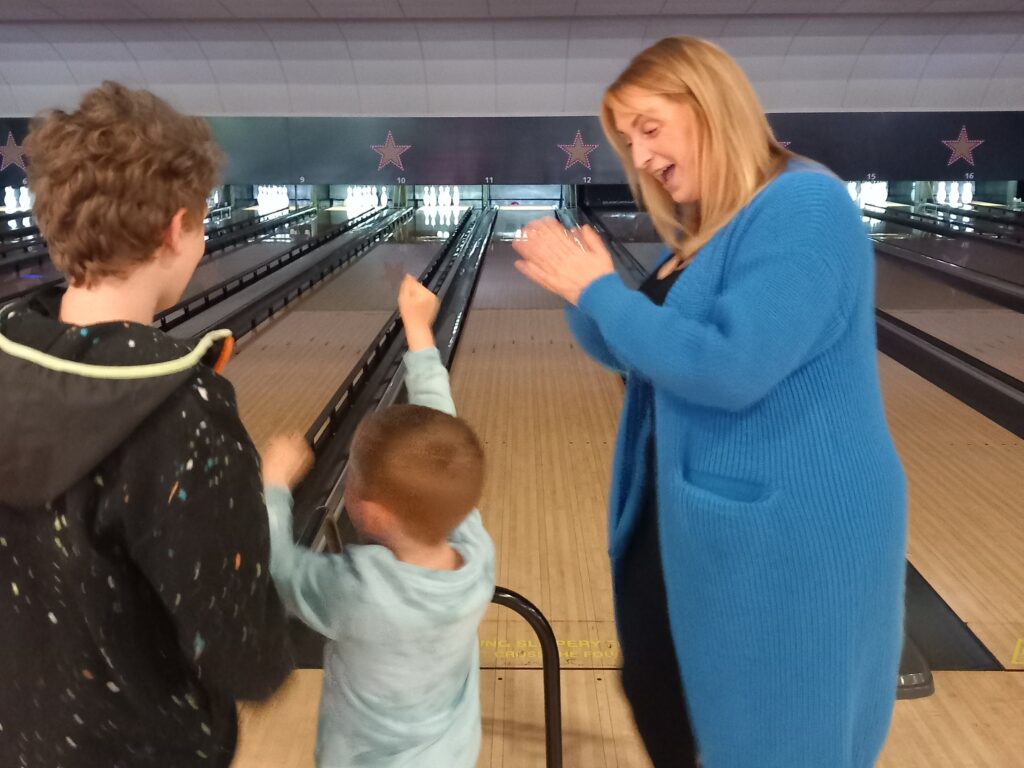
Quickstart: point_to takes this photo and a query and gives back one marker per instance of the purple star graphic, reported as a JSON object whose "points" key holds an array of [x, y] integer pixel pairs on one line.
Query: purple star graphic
{"points": [[578, 152], [962, 148], [11, 154], [390, 153]]}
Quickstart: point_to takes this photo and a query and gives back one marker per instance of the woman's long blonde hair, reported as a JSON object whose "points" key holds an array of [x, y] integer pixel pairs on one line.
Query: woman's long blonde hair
{"points": [[738, 153]]}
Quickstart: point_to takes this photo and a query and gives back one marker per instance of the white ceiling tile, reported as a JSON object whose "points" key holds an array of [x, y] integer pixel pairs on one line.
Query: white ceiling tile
{"points": [[881, 95], [715, 7], [202, 10], [967, 7], [45, 95], [816, 95], [270, 9], [692, 26], [397, 100], [530, 8], [444, 9], [882, 6], [618, 8], [324, 99], [515, 98], [950, 93], [790, 7], [358, 9], [1005, 92], [26, 10]]}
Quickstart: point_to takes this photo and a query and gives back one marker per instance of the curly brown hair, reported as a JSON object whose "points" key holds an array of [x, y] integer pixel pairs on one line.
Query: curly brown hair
{"points": [[109, 177]]}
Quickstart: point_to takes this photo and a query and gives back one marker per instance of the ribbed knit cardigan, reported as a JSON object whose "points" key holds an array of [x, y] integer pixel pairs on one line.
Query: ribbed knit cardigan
{"points": [[781, 501]]}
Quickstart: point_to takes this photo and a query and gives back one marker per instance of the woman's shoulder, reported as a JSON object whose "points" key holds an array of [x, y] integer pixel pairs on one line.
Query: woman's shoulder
{"points": [[802, 181], [804, 192]]}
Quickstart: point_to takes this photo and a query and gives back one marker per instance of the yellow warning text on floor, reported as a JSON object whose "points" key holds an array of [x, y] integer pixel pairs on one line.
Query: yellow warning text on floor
{"points": [[1018, 654]]}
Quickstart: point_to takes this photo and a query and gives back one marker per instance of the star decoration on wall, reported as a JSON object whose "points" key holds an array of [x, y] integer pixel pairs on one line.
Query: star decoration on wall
{"points": [[11, 154], [578, 152], [962, 148], [390, 153]]}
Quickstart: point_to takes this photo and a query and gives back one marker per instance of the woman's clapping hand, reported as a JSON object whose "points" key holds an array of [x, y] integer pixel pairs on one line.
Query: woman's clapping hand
{"points": [[560, 260]]}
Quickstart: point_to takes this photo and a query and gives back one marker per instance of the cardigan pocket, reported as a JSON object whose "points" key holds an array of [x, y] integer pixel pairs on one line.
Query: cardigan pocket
{"points": [[724, 496]]}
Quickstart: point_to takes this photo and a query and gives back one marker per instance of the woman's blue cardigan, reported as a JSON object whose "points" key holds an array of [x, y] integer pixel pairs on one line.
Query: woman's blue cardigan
{"points": [[781, 501]]}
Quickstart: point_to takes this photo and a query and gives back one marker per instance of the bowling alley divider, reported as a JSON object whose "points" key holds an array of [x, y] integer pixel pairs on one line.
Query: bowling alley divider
{"points": [[882, 146]]}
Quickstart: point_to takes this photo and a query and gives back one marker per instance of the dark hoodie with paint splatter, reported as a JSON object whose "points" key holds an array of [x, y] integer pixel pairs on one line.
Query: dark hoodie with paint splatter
{"points": [[136, 603]]}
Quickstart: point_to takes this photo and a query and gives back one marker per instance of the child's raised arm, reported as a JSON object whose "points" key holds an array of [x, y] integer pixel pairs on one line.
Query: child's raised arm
{"points": [[426, 379]]}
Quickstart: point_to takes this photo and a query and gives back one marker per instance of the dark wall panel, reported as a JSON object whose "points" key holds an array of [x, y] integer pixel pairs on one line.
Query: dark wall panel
{"points": [[546, 150]]}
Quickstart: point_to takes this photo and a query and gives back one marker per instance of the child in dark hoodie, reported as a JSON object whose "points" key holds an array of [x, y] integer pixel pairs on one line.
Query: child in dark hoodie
{"points": [[136, 603]]}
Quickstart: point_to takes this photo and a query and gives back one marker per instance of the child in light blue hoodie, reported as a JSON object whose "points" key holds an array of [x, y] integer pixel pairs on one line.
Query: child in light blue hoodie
{"points": [[401, 666]]}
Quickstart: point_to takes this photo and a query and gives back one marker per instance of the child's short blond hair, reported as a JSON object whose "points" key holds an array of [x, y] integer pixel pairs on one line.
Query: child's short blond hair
{"points": [[109, 177], [424, 466]]}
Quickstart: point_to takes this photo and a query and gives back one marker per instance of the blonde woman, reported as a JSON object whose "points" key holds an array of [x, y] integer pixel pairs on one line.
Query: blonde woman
{"points": [[758, 512]]}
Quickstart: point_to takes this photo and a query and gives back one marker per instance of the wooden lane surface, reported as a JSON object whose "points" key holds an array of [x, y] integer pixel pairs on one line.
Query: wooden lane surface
{"points": [[285, 371], [547, 416], [965, 479]]}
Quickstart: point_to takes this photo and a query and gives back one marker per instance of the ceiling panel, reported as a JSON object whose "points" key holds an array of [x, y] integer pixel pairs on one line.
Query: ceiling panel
{"points": [[203, 10], [176, 9], [543, 66], [270, 9]]}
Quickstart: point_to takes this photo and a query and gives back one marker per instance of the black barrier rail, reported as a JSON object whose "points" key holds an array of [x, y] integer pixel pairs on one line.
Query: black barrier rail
{"points": [[7, 235], [262, 226], [552, 670], [15, 215], [1002, 216], [984, 286], [260, 309], [10, 250], [194, 305], [991, 392], [632, 268], [370, 383], [16, 255], [937, 226], [325, 426], [221, 211]]}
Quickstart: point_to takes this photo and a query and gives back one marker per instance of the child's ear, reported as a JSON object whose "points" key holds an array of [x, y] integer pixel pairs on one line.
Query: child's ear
{"points": [[172, 234], [377, 517]]}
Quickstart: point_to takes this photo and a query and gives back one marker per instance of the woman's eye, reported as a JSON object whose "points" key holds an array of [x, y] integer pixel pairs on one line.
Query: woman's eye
{"points": [[650, 131]]}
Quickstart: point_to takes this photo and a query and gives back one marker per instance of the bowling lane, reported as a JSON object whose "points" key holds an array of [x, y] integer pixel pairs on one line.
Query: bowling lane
{"points": [[214, 268], [285, 371], [998, 260], [217, 267], [547, 417], [987, 331]]}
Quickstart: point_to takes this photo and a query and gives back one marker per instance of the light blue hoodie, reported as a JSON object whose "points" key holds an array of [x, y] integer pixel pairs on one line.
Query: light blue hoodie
{"points": [[401, 665]]}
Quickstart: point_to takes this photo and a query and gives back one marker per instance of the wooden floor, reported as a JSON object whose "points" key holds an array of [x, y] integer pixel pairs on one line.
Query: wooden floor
{"points": [[547, 416], [966, 488], [972, 721]]}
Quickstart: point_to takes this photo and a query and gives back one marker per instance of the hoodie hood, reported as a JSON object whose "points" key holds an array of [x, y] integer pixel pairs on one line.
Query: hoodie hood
{"points": [[69, 395]]}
